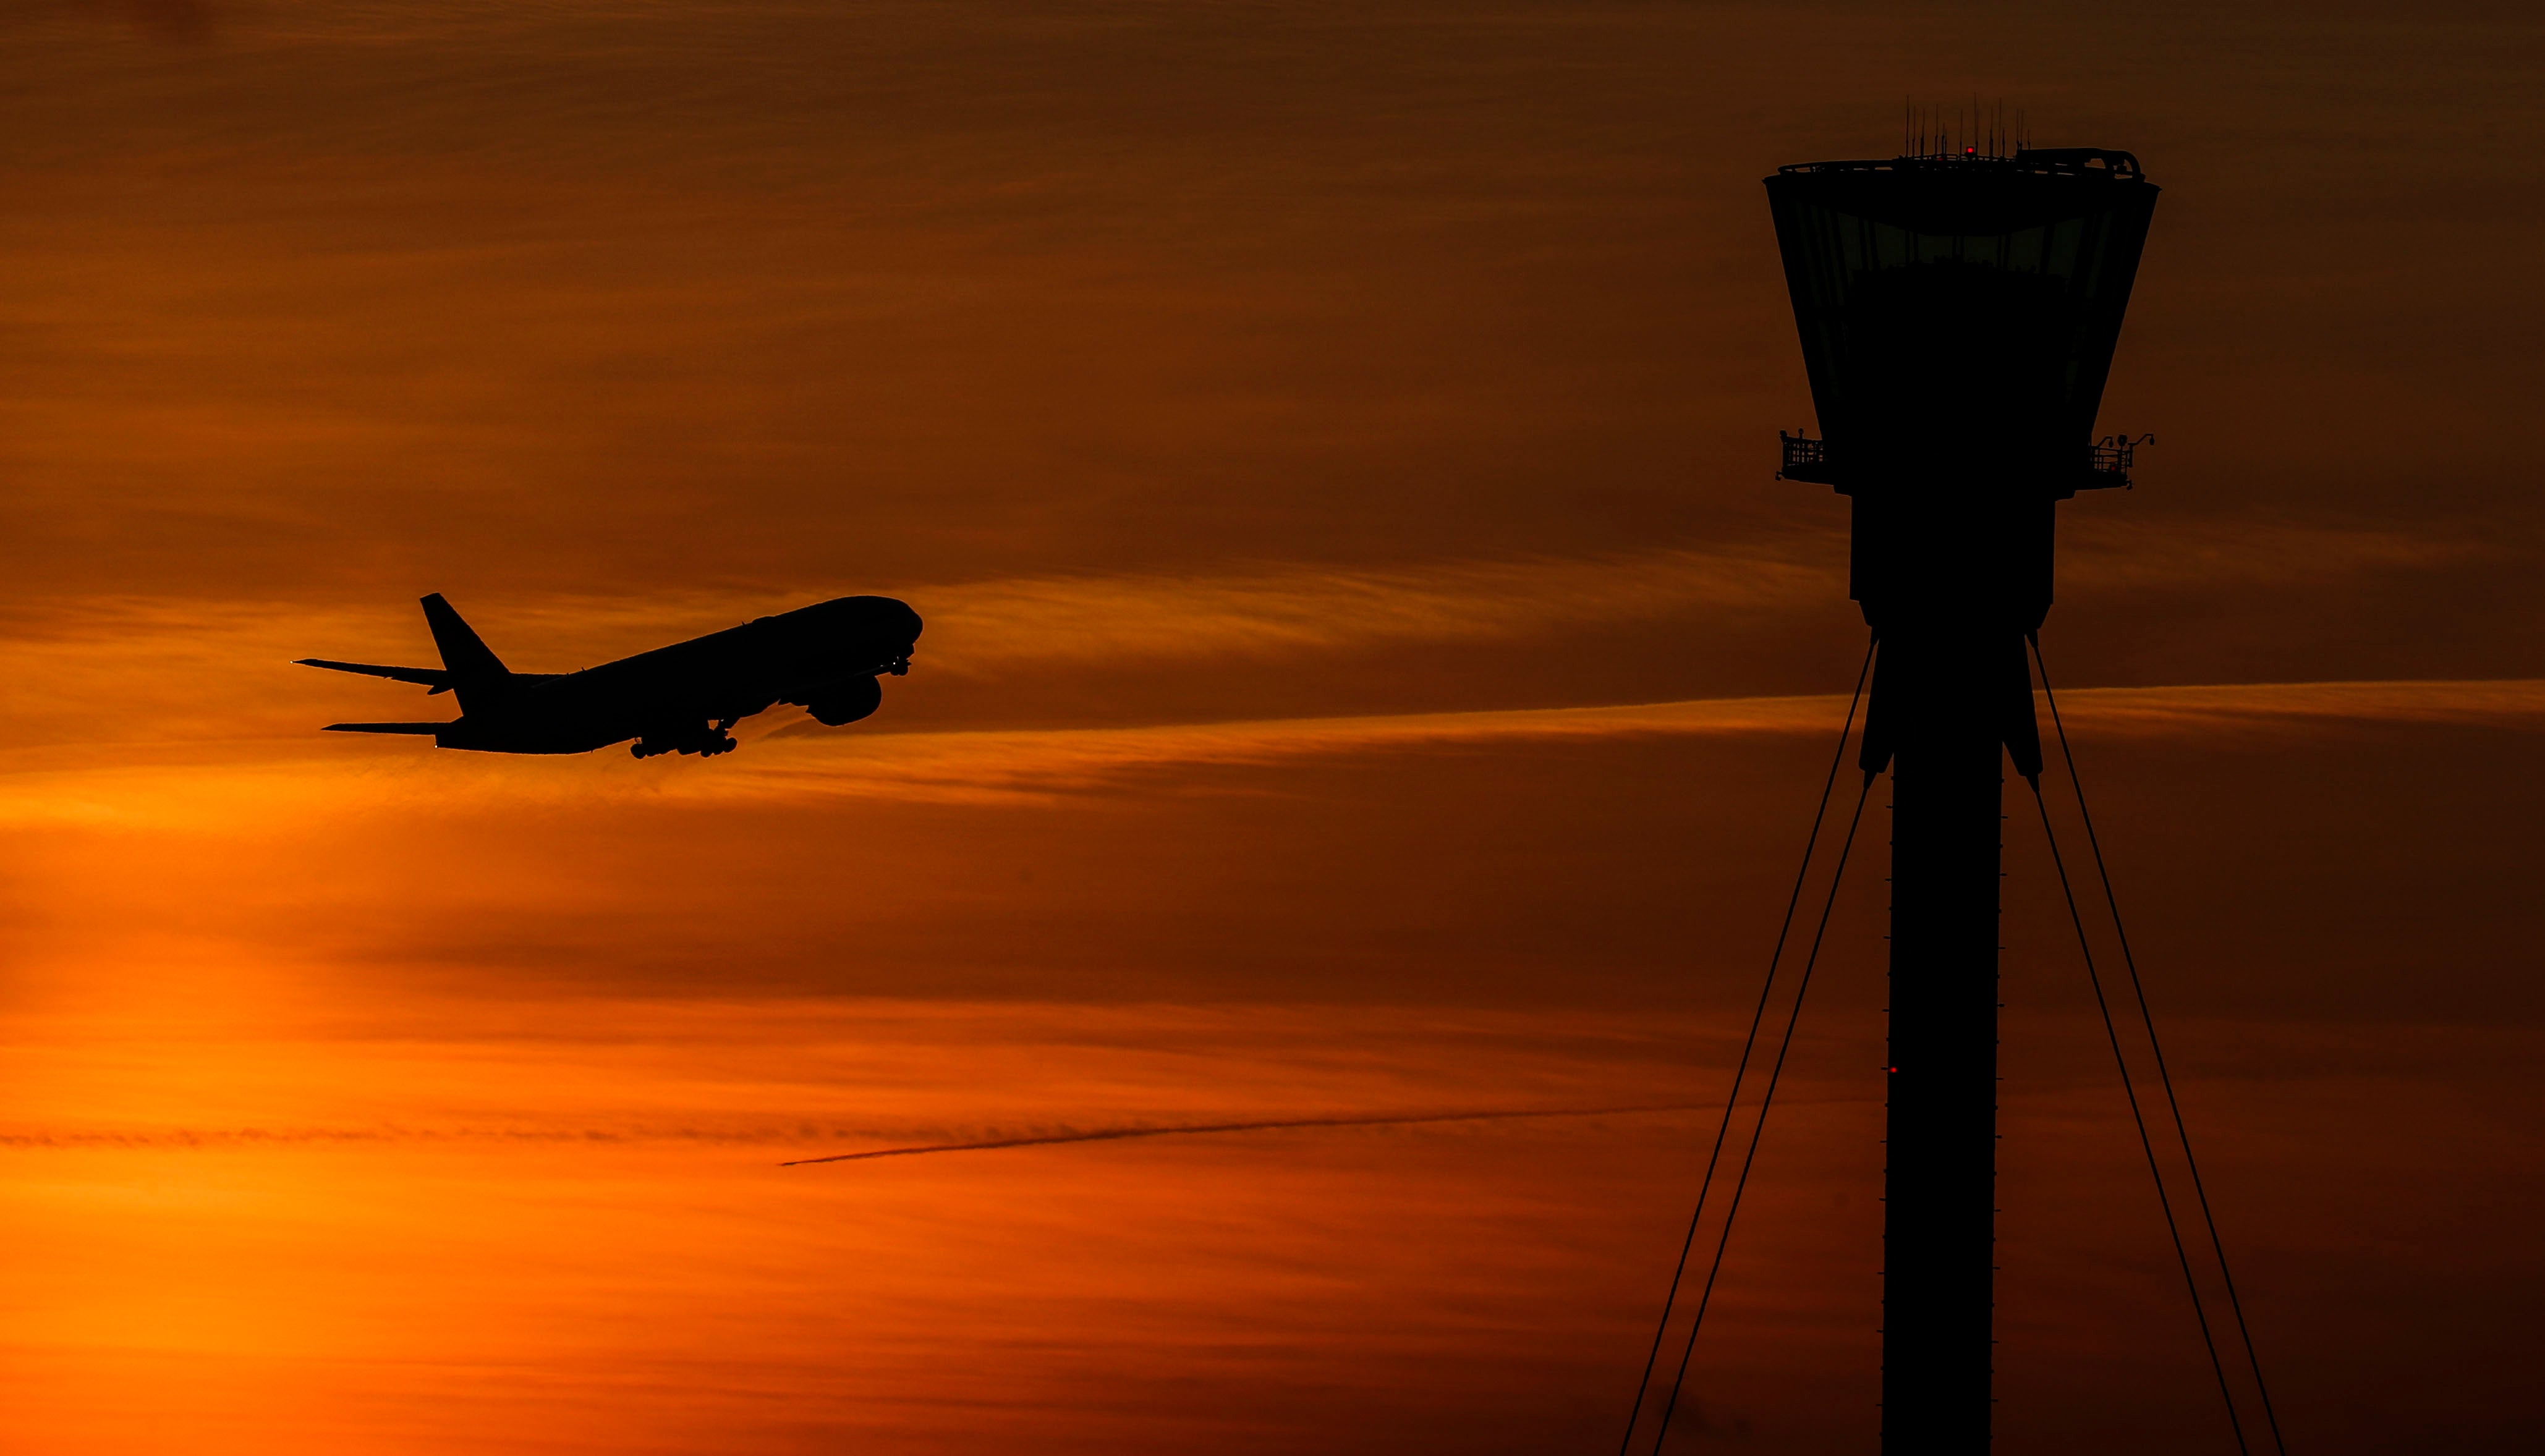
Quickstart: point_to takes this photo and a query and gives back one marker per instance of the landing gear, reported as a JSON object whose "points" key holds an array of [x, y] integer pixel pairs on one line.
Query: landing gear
{"points": [[707, 743]]}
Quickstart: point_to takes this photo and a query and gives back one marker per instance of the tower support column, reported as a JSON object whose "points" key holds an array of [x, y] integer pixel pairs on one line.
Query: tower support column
{"points": [[1940, 698]]}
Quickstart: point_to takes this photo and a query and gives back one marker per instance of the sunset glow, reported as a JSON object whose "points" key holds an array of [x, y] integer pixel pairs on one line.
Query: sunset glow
{"points": [[1371, 672]]}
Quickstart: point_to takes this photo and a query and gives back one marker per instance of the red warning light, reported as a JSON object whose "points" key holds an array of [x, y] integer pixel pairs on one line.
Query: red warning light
{"points": [[1970, 151]]}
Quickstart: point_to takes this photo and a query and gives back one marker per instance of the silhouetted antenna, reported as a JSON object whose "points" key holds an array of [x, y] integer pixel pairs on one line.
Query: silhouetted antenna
{"points": [[1972, 131]]}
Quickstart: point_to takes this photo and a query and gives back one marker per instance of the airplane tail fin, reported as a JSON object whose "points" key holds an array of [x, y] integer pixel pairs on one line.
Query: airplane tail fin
{"points": [[466, 656], [474, 669]]}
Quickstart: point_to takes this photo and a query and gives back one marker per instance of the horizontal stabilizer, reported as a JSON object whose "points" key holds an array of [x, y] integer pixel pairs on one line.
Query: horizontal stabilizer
{"points": [[387, 727], [437, 679]]}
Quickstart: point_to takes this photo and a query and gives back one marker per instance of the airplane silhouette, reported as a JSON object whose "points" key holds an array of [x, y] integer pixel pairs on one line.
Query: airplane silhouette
{"points": [[684, 699]]}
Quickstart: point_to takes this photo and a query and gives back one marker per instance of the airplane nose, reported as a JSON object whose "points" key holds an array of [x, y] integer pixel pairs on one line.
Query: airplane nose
{"points": [[910, 619]]}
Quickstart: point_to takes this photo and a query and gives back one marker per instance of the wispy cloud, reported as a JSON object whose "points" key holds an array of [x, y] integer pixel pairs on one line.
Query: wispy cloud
{"points": [[164, 654], [1268, 612], [180, 671], [2287, 707], [1009, 763], [1018, 765], [1278, 1124], [2227, 553], [795, 1131], [1001, 764]]}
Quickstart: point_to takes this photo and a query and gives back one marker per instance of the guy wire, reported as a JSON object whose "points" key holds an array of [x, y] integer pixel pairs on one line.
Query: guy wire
{"points": [[1741, 1070], [2156, 1171], [1775, 1071], [2165, 1078]]}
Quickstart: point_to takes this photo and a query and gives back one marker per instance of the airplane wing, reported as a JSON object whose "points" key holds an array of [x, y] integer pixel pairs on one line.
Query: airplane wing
{"points": [[387, 727], [437, 679]]}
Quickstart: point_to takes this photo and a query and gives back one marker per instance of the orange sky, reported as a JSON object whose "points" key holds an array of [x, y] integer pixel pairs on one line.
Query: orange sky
{"points": [[1370, 667]]}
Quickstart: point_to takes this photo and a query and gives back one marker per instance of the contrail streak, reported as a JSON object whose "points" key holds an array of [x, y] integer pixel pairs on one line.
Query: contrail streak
{"points": [[1112, 1134]]}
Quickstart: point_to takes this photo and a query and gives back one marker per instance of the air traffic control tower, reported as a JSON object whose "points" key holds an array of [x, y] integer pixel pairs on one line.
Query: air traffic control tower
{"points": [[1958, 314]]}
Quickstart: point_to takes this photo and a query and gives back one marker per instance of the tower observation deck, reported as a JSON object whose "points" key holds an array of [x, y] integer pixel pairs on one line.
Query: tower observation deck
{"points": [[1958, 316]]}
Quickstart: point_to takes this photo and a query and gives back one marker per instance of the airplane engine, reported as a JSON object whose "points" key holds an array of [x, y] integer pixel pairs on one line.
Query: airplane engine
{"points": [[846, 702]]}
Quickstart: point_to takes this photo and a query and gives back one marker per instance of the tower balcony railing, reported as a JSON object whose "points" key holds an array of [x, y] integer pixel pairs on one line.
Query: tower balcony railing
{"points": [[1806, 458], [2107, 461]]}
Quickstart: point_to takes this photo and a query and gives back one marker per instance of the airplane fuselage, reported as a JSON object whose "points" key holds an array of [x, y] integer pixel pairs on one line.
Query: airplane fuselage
{"points": [[677, 699]]}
